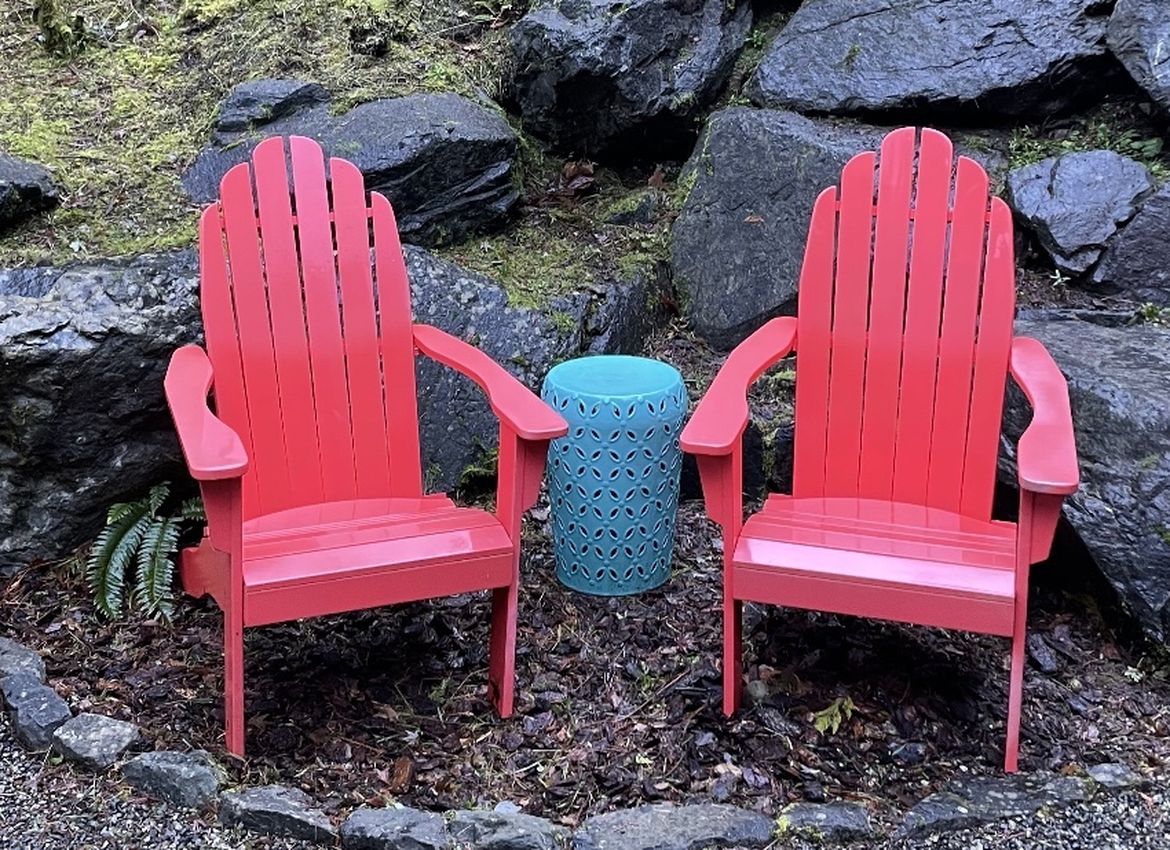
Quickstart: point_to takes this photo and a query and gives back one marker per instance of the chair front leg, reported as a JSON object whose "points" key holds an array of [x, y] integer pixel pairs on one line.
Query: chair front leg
{"points": [[223, 503], [521, 467], [722, 479]]}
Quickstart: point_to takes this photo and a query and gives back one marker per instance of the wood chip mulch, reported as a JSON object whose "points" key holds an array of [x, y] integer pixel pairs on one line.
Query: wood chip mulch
{"points": [[618, 699]]}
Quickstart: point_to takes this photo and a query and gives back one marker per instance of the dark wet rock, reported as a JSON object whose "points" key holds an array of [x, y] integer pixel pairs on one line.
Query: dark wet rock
{"points": [[16, 659], [967, 803], [506, 831], [1139, 36], [191, 780], [276, 810], [667, 827], [457, 428], [264, 101], [1115, 776], [833, 823], [1137, 261], [594, 76], [1041, 654], [445, 162], [394, 829], [1119, 384], [34, 710], [83, 422], [981, 59], [753, 180], [1075, 203], [25, 190], [94, 741]]}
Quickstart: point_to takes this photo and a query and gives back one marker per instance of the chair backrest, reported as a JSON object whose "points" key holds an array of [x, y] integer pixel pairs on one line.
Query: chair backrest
{"points": [[907, 296], [310, 340]]}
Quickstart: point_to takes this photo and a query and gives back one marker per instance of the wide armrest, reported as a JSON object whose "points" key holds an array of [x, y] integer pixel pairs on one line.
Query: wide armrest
{"points": [[1047, 454], [722, 415], [212, 449], [515, 405]]}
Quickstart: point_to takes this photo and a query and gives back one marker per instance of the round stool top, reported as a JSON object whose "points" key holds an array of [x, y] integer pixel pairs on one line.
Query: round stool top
{"points": [[614, 376]]}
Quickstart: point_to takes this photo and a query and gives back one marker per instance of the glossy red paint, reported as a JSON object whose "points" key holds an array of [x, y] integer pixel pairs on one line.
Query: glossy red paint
{"points": [[904, 336], [308, 459]]}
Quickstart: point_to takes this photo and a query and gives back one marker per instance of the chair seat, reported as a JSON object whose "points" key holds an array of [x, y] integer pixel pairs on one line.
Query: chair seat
{"points": [[349, 555], [879, 559]]}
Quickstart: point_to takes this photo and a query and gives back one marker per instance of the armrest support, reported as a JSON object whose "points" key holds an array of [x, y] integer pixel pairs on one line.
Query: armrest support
{"points": [[516, 406], [1047, 453], [213, 450], [722, 415]]}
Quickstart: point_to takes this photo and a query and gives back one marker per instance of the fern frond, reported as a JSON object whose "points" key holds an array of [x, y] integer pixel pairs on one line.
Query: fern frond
{"points": [[192, 510], [156, 568], [112, 552], [120, 510], [158, 495]]}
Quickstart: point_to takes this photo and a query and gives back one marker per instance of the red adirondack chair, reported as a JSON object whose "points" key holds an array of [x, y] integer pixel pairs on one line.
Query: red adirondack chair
{"points": [[309, 464], [904, 341]]}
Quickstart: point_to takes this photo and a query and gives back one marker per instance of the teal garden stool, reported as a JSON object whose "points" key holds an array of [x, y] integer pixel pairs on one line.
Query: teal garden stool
{"points": [[613, 480]]}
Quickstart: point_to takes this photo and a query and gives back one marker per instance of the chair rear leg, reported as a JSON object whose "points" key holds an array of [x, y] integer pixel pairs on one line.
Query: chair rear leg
{"points": [[1015, 700], [233, 685], [502, 665], [732, 653]]}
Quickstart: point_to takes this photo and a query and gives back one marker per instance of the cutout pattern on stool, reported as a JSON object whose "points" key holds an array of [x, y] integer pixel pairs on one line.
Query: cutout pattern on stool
{"points": [[613, 486]]}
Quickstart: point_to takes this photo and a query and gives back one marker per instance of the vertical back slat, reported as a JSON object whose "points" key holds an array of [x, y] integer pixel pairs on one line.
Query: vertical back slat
{"points": [[397, 351], [992, 350], [814, 318], [254, 328], [223, 346], [327, 353], [286, 308], [886, 314], [362, 356], [923, 302], [850, 313], [948, 439]]}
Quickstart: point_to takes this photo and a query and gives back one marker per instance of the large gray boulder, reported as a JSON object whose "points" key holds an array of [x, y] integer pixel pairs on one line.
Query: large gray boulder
{"points": [[983, 59], [1137, 261], [82, 419], [738, 243], [445, 162], [25, 190], [1075, 203], [1119, 384], [594, 76], [1139, 36]]}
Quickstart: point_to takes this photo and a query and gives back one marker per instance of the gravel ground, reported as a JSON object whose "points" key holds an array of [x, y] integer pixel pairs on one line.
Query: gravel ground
{"points": [[1135, 820], [52, 807]]}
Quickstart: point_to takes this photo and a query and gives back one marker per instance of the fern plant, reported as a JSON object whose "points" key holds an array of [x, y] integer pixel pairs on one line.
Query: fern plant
{"points": [[137, 548]]}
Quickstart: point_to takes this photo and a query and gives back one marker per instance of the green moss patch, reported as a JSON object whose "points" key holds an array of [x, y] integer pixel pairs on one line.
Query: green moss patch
{"points": [[119, 121], [564, 241], [1117, 126]]}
